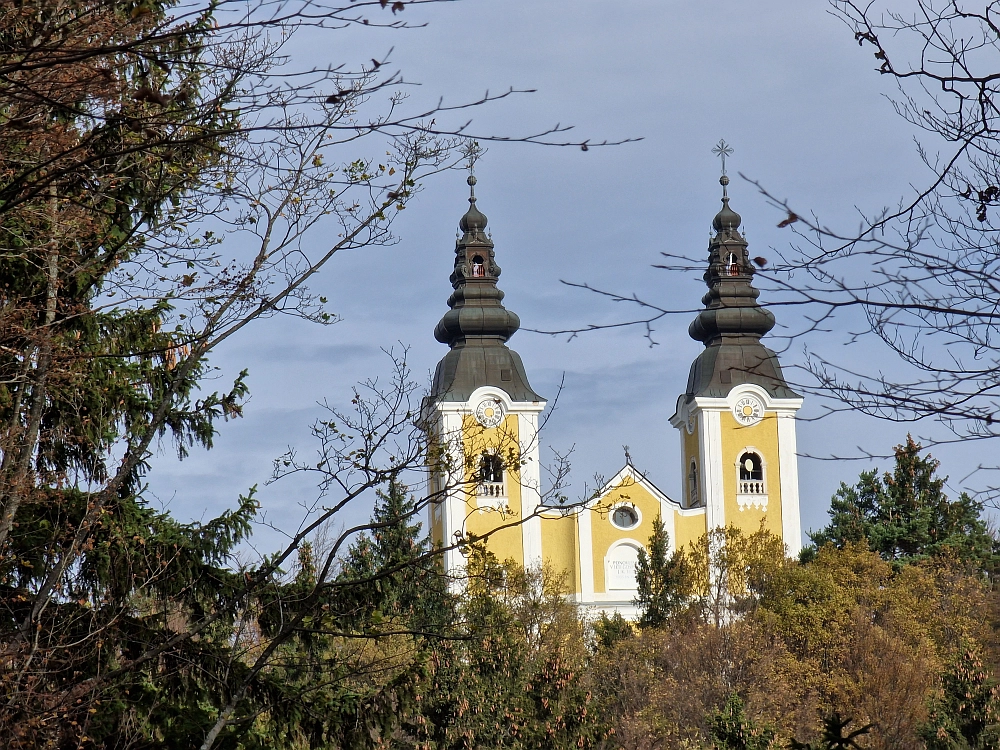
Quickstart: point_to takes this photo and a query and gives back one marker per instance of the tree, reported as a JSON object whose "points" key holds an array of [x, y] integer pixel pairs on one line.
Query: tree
{"points": [[834, 737], [160, 167], [172, 635], [414, 589], [662, 578], [906, 516], [356, 667], [966, 713], [514, 677], [733, 730], [731, 571], [611, 630]]}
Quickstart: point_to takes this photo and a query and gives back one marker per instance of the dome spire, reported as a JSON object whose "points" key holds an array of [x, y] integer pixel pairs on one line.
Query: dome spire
{"points": [[477, 326], [726, 218], [473, 220], [732, 323]]}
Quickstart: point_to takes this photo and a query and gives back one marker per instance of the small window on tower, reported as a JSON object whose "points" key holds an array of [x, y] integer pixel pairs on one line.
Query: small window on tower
{"points": [[693, 495], [478, 267]]}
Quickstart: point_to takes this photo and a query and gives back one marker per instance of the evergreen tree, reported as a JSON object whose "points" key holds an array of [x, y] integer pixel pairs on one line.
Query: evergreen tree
{"points": [[560, 713], [611, 630], [835, 735], [404, 586], [906, 516], [399, 599], [733, 730], [160, 166], [663, 579], [515, 677], [966, 714]]}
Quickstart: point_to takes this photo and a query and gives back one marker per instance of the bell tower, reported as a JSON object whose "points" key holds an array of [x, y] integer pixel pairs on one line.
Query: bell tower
{"points": [[737, 417], [481, 415]]}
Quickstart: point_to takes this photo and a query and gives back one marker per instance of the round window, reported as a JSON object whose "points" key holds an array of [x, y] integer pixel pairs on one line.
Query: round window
{"points": [[625, 517]]}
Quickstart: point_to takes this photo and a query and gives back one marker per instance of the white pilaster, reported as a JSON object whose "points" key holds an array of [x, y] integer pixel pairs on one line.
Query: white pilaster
{"points": [[710, 458], [455, 494], [667, 516], [585, 529], [791, 529], [685, 496], [531, 499]]}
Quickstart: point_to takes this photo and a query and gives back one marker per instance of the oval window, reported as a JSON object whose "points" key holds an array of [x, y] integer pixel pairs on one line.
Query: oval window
{"points": [[625, 517]]}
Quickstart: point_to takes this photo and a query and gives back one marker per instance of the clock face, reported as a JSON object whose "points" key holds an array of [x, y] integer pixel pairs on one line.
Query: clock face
{"points": [[748, 410], [489, 413]]}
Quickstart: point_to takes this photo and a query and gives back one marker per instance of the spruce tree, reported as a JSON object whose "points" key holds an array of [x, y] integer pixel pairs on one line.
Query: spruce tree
{"points": [[733, 730], [663, 579], [404, 586], [966, 714], [836, 735], [390, 597], [611, 630], [906, 516]]}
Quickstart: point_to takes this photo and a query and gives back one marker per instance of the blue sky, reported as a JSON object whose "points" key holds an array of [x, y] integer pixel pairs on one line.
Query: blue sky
{"points": [[784, 83]]}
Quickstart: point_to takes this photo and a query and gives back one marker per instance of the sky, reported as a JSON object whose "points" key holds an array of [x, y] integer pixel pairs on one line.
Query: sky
{"points": [[784, 83]]}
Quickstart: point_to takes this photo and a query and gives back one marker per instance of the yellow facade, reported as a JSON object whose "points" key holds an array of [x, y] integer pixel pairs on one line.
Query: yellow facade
{"points": [[561, 547], [688, 527], [605, 535], [480, 518], [587, 544], [762, 438]]}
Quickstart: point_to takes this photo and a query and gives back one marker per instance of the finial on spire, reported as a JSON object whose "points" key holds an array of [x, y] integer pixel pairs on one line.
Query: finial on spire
{"points": [[722, 150], [472, 151], [474, 220]]}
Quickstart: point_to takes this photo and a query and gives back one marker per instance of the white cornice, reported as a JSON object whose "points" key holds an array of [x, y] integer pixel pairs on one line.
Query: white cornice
{"points": [[484, 392], [704, 403]]}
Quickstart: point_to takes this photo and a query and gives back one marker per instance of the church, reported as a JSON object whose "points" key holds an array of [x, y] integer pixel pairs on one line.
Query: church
{"points": [[735, 421]]}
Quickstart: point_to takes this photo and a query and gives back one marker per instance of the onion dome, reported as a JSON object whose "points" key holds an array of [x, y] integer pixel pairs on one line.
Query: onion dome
{"points": [[474, 220], [727, 218], [477, 326], [732, 323]]}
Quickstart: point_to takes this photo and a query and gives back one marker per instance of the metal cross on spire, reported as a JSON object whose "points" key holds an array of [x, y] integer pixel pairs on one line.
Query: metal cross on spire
{"points": [[722, 150]]}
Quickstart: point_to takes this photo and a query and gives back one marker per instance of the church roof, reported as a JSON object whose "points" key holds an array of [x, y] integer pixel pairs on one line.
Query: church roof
{"points": [[732, 323], [477, 326], [627, 475]]}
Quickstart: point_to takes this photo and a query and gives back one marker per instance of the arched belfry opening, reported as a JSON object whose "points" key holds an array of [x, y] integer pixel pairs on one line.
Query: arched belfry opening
{"points": [[478, 267], [750, 471], [490, 469]]}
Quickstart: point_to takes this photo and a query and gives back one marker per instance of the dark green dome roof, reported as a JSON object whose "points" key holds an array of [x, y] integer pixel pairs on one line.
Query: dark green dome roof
{"points": [[474, 220], [732, 323], [477, 326]]}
